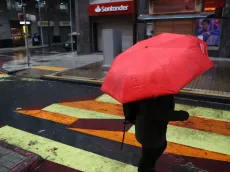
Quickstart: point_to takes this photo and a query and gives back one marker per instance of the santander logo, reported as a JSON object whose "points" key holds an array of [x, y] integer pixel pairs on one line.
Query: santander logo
{"points": [[202, 48], [111, 8], [98, 9]]}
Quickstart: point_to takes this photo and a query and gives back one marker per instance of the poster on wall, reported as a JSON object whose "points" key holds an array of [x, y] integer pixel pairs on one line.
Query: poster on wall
{"points": [[209, 30]]}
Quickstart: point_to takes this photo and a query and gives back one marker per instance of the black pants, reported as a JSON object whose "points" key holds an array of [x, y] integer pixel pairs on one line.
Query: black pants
{"points": [[149, 157]]}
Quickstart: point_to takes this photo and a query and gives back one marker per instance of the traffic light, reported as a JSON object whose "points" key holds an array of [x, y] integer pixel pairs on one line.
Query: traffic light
{"points": [[21, 16]]}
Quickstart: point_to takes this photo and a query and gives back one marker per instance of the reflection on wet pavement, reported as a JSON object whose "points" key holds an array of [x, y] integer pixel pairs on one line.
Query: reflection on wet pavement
{"points": [[216, 80], [33, 73], [91, 71]]}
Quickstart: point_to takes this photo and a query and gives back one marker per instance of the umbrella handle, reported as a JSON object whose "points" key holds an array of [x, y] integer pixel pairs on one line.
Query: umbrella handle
{"points": [[123, 138]]}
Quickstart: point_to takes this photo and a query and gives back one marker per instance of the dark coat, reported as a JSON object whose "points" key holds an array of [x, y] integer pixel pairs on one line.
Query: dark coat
{"points": [[152, 120]]}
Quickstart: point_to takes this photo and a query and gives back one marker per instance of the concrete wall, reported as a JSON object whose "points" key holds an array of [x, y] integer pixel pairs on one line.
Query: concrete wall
{"points": [[5, 32], [143, 7], [83, 26]]}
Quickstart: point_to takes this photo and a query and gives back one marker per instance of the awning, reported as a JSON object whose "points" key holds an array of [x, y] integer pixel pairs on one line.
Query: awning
{"points": [[174, 16]]}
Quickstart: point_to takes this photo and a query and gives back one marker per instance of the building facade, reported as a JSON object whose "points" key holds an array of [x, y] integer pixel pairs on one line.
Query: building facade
{"points": [[111, 15], [189, 17], [54, 15], [92, 16]]}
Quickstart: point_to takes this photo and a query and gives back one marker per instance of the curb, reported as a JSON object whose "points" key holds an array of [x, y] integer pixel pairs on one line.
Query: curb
{"points": [[185, 97], [69, 81], [15, 71]]}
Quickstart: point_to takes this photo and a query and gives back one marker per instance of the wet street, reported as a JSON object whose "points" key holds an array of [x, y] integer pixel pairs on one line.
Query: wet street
{"points": [[20, 55], [84, 127]]}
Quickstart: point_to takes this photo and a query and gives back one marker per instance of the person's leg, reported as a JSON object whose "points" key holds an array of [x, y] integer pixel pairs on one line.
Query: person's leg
{"points": [[162, 149], [149, 158], [147, 161]]}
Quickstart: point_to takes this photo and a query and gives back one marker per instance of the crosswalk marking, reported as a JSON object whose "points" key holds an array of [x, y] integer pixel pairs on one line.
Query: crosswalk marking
{"points": [[51, 68], [174, 148], [198, 139], [79, 113], [206, 134], [194, 122], [4, 76], [92, 105], [107, 99], [63, 119], [221, 115], [65, 155]]}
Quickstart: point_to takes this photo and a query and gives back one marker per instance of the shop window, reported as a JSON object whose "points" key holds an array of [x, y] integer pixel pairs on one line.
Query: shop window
{"points": [[13, 5], [169, 6], [64, 7], [105, 1], [17, 33], [41, 3]]}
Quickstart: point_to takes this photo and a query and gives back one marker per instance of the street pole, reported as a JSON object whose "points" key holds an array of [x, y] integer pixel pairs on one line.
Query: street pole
{"points": [[135, 14], [26, 35], [71, 26], [40, 18], [49, 33]]}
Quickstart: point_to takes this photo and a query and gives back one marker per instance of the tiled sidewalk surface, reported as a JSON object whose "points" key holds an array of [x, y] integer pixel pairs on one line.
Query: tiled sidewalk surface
{"points": [[14, 159]]}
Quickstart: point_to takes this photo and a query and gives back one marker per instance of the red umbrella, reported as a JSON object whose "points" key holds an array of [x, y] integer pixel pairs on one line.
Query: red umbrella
{"points": [[157, 66]]}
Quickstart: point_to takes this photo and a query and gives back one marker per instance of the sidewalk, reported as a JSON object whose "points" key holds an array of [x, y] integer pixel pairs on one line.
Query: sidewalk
{"points": [[72, 67], [14, 49], [213, 83], [16, 159], [50, 64]]}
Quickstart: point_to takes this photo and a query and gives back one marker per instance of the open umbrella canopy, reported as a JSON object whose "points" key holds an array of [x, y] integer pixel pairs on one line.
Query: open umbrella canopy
{"points": [[158, 66]]}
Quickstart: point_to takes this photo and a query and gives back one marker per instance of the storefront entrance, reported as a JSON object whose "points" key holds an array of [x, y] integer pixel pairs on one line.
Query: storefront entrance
{"points": [[17, 33], [125, 28]]}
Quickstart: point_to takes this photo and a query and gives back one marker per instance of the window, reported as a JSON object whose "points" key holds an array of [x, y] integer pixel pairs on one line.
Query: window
{"points": [[64, 7], [14, 5], [41, 3]]}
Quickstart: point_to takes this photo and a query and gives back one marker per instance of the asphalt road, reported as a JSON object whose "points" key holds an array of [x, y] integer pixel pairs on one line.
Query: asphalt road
{"points": [[32, 108]]}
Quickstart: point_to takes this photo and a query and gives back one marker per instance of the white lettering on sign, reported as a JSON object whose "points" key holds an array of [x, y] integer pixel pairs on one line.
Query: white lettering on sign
{"points": [[111, 8]]}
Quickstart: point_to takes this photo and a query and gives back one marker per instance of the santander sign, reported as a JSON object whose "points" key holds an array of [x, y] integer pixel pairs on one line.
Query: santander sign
{"points": [[102, 9], [113, 8]]}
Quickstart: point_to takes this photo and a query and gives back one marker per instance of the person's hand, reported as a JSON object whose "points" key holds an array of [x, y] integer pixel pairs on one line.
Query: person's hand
{"points": [[184, 115]]}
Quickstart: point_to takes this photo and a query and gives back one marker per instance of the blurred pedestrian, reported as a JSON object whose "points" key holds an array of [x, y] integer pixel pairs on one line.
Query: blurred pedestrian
{"points": [[151, 117]]}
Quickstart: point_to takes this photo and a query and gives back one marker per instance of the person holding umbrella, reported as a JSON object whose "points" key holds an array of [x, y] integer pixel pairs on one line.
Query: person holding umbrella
{"points": [[145, 78], [151, 120]]}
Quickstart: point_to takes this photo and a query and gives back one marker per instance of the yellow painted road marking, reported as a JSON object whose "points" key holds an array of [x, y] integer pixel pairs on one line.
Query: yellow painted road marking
{"points": [[4, 76], [216, 114], [31, 79], [221, 115], [51, 68], [65, 155], [189, 137], [107, 99], [79, 113], [198, 139], [172, 148], [77, 78], [63, 119]]}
